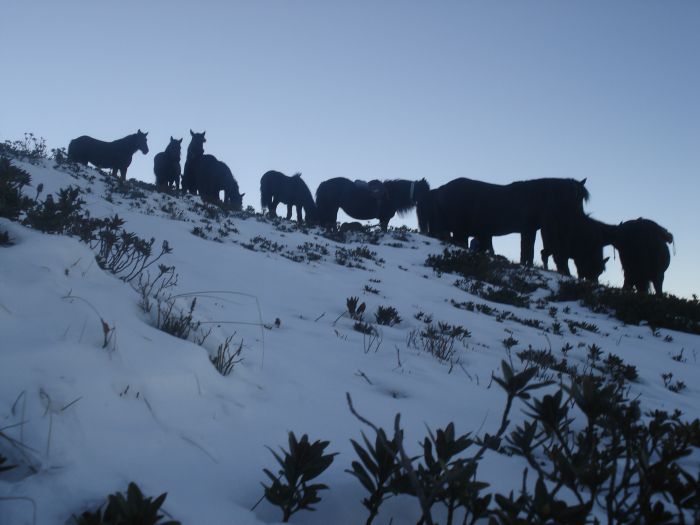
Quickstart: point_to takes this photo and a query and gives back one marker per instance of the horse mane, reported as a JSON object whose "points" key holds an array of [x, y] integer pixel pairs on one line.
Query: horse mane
{"points": [[399, 192]]}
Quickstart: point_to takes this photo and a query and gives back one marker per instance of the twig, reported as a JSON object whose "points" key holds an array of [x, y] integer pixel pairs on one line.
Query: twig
{"points": [[361, 374], [319, 317], [257, 304]]}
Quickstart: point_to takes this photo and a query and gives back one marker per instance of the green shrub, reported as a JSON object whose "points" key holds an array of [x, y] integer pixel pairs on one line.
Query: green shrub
{"points": [[290, 488], [134, 509]]}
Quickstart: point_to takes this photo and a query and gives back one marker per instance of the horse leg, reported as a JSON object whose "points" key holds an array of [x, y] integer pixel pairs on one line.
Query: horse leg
{"points": [[273, 207], [545, 258], [299, 213], [289, 211], [122, 171], [561, 261], [658, 283], [527, 247]]}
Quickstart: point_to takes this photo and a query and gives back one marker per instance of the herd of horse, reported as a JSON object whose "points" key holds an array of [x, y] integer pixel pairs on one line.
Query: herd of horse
{"points": [[456, 211]]}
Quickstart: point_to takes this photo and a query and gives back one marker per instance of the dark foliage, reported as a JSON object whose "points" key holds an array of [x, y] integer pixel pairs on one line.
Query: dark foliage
{"points": [[291, 489], [12, 180], [134, 509], [659, 311], [387, 315]]}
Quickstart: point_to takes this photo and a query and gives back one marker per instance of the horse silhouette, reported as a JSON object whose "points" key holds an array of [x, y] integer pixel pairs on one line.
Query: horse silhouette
{"points": [[115, 155], [373, 200], [214, 176], [583, 241], [469, 207], [195, 152], [207, 175], [276, 187], [644, 253], [166, 165]]}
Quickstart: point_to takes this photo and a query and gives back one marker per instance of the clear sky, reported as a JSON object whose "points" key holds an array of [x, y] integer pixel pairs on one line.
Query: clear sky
{"points": [[491, 90]]}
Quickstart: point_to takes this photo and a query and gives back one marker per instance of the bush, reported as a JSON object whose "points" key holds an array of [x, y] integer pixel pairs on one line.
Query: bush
{"points": [[290, 488], [130, 510], [659, 311], [387, 315], [12, 180]]}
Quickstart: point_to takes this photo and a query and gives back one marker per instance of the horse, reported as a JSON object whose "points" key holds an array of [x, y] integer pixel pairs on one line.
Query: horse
{"points": [[276, 187], [213, 176], [429, 223], [374, 200], [469, 207], [643, 254], [166, 165], [195, 152], [115, 155], [583, 241]]}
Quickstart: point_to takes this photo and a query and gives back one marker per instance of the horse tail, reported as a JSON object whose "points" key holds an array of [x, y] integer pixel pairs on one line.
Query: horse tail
{"points": [[265, 195]]}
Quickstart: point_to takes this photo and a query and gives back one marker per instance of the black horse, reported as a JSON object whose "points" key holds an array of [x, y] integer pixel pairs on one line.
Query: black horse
{"points": [[468, 207], [276, 187], [115, 155], [643, 253], [166, 165], [583, 241], [195, 152], [364, 201], [213, 176], [207, 175], [429, 223]]}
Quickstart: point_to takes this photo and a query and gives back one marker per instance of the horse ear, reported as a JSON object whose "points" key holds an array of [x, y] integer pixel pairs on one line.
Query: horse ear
{"points": [[171, 138], [583, 181], [242, 195], [191, 132]]}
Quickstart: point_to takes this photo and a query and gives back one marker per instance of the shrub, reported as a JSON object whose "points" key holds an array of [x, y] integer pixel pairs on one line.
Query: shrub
{"points": [[387, 315], [659, 311], [12, 180], [132, 509], [225, 359], [290, 488]]}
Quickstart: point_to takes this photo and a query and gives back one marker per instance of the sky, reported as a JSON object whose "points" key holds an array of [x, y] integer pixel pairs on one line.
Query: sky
{"points": [[494, 91]]}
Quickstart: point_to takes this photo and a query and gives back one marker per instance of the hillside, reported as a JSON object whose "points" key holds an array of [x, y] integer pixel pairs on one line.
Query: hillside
{"points": [[93, 395]]}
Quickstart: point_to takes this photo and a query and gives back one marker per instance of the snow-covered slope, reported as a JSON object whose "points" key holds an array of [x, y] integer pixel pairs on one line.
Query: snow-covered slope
{"points": [[151, 408]]}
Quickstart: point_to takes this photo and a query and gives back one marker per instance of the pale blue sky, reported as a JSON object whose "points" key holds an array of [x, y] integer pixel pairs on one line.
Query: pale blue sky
{"points": [[491, 90]]}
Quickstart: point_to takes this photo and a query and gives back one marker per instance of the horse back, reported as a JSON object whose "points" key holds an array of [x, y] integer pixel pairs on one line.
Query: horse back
{"points": [[102, 154]]}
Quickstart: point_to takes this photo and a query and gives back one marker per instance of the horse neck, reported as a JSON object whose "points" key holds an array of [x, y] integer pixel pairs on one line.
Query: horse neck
{"points": [[399, 192], [195, 153], [604, 233], [130, 142]]}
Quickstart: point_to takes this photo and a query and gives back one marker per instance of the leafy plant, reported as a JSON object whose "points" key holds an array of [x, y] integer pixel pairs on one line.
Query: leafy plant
{"points": [[387, 315], [290, 488], [225, 359], [134, 509], [378, 470]]}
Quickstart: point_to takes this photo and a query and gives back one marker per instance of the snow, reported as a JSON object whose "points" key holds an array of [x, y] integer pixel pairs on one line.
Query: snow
{"points": [[151, 408]]}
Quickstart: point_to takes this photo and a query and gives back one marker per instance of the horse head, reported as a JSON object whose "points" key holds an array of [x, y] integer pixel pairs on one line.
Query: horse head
{"points": [[174, 148], [197, 141], [141, 142], [592, 265]]}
